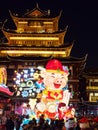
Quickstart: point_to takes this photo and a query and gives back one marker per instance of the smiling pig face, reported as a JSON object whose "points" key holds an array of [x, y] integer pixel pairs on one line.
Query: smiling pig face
{"points": [[54, 76]]}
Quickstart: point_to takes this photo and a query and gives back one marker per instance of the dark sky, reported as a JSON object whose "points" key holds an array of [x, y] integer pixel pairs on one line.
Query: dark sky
{"points": [[81, 16]]}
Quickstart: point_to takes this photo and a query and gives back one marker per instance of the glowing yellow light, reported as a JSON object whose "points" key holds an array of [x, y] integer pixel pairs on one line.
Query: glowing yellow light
{"points": [[22, 22], [32, 52], [14, 78], [38, 26], [48, 22], [34, 38], [15, 71]]}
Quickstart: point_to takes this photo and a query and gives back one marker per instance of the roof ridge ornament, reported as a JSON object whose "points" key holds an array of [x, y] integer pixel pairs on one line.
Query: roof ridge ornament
{"points": [[5, 21], [37, 6], [48, 11]]}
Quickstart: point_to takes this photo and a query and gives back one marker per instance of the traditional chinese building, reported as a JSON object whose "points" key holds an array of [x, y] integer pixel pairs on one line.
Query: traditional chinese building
{"points": [[90, 83], [35, 39]]}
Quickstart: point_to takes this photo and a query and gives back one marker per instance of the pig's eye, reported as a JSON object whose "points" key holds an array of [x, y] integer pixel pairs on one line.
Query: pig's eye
{"points": [[62, 76], [53, 75]]}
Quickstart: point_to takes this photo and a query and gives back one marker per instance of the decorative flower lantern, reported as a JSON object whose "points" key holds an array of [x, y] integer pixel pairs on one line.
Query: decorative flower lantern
{"points": [[3, 79]]}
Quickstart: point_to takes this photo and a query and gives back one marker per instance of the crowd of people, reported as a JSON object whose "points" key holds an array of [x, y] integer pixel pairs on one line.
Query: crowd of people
{"points": [[23, 122], [18, 122]]}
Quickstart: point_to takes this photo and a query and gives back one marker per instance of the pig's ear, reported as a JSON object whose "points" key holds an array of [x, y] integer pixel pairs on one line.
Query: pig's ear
{"points": [[43, 73]]}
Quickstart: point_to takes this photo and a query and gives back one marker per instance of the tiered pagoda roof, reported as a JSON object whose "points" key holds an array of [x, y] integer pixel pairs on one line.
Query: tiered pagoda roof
{"points": [[47, 41]]}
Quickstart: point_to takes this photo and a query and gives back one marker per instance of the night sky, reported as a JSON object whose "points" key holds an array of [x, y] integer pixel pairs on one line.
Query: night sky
{"points": [[81, 16]]}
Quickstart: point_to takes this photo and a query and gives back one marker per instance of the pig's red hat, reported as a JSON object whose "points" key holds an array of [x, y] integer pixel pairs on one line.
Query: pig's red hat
{"points": [[55, 65]]}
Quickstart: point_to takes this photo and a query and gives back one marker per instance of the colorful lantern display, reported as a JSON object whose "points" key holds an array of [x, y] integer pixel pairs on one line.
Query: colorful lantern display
{"points": [[54, 98], [3, 79], [49, 86]]}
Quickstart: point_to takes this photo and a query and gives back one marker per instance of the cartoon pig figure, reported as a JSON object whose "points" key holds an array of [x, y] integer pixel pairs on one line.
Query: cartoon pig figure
{"points": [[55, 78]]}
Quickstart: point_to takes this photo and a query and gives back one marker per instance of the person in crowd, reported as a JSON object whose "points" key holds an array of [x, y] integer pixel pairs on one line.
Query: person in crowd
{"points": [[25, 122], [9, 123], [18, 122], [46, 125], [3, 120], [41, 120]]}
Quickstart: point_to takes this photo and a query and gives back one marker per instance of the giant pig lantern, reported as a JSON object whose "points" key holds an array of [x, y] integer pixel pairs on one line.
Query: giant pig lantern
{"points": [[55, 79]]}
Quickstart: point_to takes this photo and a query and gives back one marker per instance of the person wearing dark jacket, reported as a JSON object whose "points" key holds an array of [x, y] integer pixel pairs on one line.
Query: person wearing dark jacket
{"points": [[9, 124]]}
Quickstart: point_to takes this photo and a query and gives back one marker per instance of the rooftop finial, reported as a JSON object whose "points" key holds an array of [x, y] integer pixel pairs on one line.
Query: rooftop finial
{"points": [[37, 5], [49, 12]]}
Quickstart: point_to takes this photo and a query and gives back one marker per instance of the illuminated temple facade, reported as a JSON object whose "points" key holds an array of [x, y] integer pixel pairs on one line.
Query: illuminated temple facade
{"points": [[35, 39]]}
